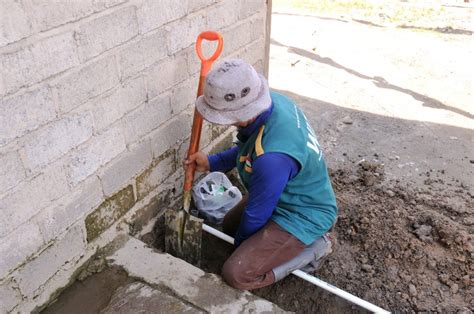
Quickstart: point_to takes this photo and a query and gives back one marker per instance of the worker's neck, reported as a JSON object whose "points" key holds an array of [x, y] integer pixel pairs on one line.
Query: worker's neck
{"points": [[245, 124], [255, 123]]}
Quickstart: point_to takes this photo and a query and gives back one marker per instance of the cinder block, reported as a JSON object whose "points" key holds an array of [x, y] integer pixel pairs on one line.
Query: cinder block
{"points": [[9, 296], [47, 144], [106, 32], [244, 32], [125, 167], [259, 27], [259, 66], [24, 113], [94, 154], [108, 109], [184, 94], [14, 22], [182, 151], [159, 171], [166, 74], [205, 134], [49, 14], [251, 7], [241, 34], [38, 61], [104, 4], [29, 197], [37, 272], [92, 80], [223, 14], [193, 62], [171, 133], [155, 207], [210, 132], [152, 14], [54, 219], [223, 144], [60, 280], [18, 246], [11, 171], [255, 52], [184, 32], [216, 130], [140, 54], [2, 86], [109, 212], [195, 5], [146, 118]]}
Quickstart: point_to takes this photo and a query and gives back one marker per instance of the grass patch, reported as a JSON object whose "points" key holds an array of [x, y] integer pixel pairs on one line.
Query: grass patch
{"points": [[395, 12]]}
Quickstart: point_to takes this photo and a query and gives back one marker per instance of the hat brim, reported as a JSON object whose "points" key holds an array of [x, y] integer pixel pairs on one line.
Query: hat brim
{"points": [[259, 105]]}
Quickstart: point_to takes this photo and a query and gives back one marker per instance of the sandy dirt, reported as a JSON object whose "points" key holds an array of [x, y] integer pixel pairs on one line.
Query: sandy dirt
{"points": [[392, 104], [397, 248], [393, 110]]}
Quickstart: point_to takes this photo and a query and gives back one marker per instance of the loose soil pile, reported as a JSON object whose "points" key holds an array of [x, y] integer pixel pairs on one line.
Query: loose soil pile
{"points": [[403, 248]]}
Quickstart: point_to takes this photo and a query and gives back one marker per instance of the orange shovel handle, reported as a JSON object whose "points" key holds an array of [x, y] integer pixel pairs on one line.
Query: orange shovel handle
{"points": [[211, 36], [206, 65]]}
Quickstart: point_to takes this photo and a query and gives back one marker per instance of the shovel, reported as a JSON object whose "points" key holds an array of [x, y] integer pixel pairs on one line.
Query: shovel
{"points": [[183, 230]]}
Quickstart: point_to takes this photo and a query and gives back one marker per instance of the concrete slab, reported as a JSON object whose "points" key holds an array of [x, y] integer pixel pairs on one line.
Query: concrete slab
{"points": [[205, 291], [138, 297]]}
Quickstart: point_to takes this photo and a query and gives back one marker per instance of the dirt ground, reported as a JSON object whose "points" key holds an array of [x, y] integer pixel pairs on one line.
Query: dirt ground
{"points": [[397, 249], [390, 95], [393, 108]]}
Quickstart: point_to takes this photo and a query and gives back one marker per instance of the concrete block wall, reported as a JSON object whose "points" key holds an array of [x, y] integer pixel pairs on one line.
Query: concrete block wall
{"points": [[96, 103]]}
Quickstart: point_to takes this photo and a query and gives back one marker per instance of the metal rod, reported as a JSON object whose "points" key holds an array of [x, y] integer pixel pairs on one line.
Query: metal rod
{"points": [[315, 281]]}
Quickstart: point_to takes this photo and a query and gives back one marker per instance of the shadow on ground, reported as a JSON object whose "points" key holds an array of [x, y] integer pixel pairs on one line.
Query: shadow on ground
{"points": [[378, 81], [403, 244]]}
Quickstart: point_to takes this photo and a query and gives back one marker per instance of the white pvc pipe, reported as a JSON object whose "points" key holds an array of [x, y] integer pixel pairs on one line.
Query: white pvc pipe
{"points": [[343, 294], [315, 281], [217, 233]]}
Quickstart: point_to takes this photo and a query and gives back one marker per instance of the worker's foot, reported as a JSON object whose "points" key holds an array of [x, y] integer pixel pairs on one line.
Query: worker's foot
{"points": [[323, 249], [310, 259]]}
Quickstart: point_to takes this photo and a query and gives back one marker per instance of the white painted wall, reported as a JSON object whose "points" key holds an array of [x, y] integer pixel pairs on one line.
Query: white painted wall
{"points": [[96, 102]]}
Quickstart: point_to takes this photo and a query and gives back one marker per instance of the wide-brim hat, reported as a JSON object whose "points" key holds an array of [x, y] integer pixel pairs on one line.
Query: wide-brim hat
{"points": [[233, 92]]}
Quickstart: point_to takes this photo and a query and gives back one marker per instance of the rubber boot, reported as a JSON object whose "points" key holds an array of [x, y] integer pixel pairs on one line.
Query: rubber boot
{"points": [[313, 256]]}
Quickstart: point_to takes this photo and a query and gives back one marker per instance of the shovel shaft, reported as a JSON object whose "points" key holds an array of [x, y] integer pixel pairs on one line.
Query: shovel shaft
{"points": [[193, 148], [206, 65]]}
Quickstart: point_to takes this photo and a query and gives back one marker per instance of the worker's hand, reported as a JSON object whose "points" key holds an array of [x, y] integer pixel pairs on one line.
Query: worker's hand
{"points": [[199, 159]]}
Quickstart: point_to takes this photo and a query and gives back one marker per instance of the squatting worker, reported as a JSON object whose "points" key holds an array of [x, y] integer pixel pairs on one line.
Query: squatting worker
{"points": [[282, 224]]}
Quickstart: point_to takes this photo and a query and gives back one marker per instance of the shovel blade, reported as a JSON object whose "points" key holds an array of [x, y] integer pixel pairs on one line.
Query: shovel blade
{"points": [[189, 249]]}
